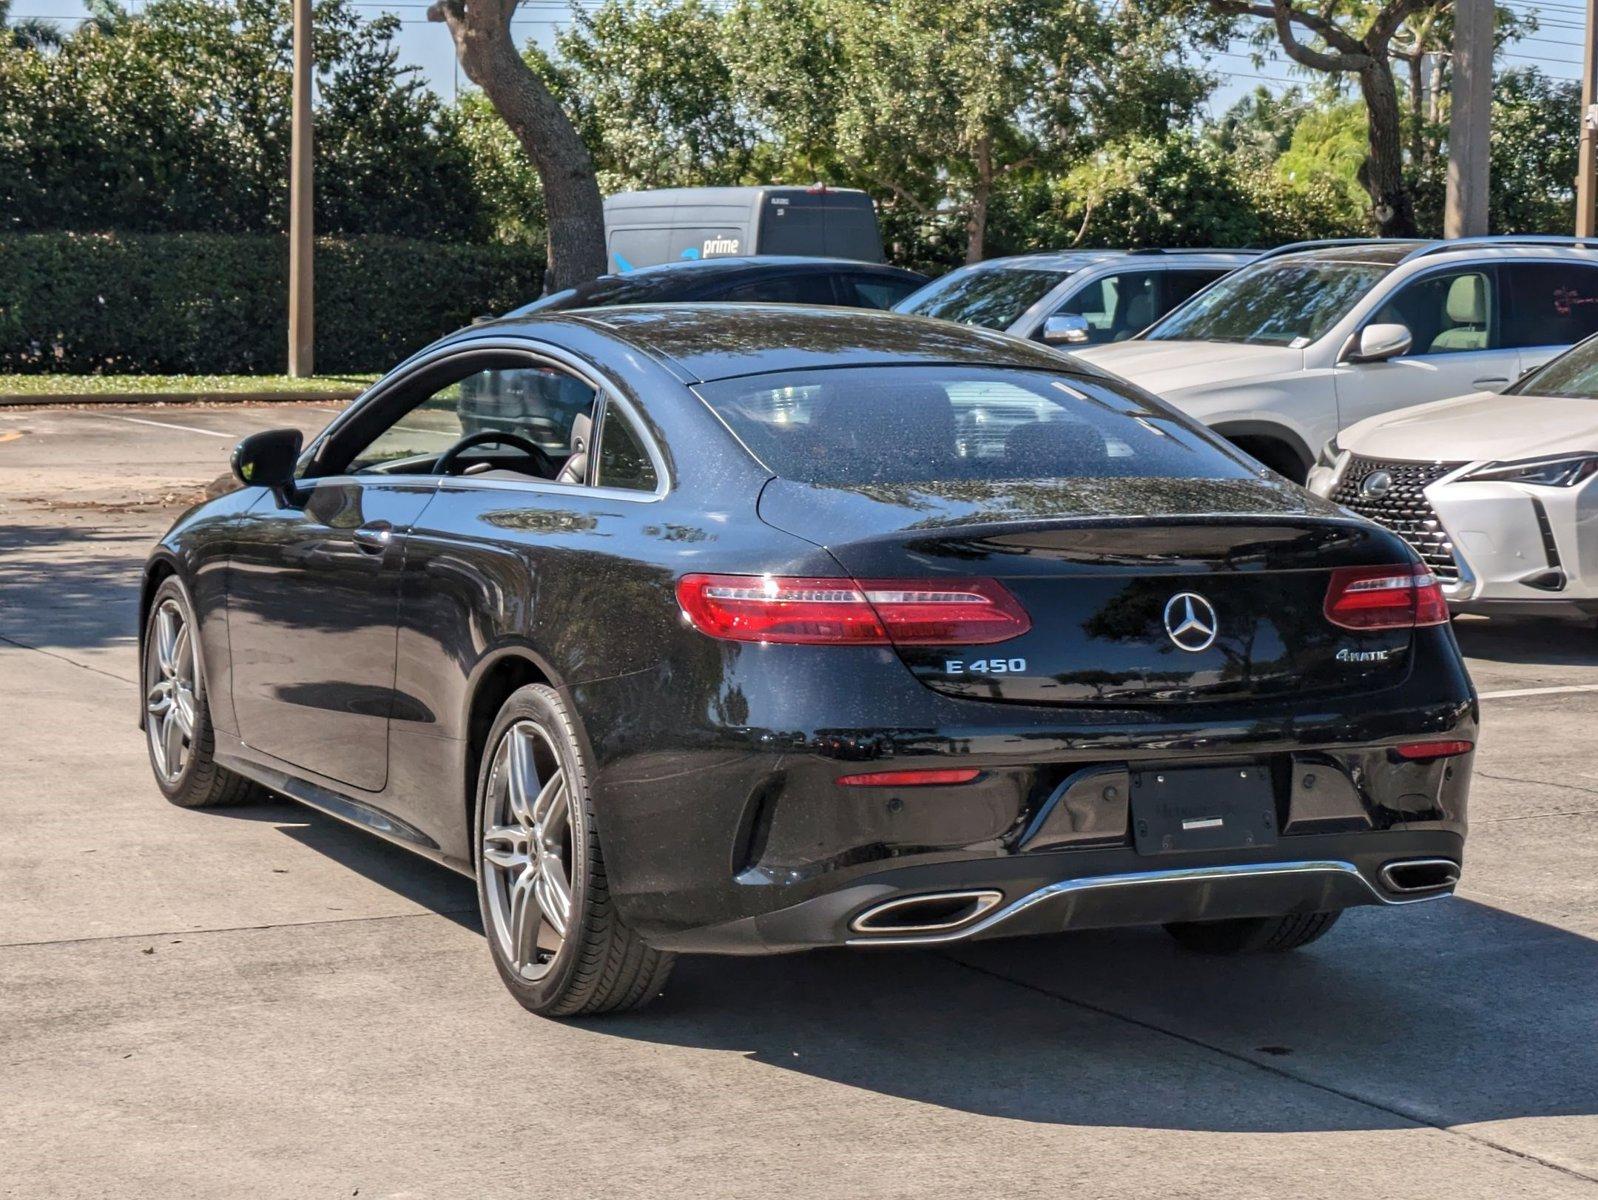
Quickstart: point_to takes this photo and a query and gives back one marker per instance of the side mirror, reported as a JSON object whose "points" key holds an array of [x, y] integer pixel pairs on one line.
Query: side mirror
{"points": [[1065, 329], [1378, 343], [267, 459]]}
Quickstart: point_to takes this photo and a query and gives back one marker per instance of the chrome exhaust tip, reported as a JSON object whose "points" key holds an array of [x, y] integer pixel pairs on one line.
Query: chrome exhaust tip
{"points": [[936, 912], [1411, 875]]}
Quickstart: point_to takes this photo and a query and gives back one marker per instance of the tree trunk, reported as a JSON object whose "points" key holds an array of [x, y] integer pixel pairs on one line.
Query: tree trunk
{"points": [[574, 211], [1417, 109], [1392, 213], [976, 222]]}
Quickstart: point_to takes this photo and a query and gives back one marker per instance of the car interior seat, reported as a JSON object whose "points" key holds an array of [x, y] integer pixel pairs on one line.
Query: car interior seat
{"points": [[1138, 315], [1466, 309], [575, 469]]}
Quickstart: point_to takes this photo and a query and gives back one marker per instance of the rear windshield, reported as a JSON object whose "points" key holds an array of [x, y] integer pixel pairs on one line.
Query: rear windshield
{"points": [[1272, 304], [865, 425], [994, 297]]}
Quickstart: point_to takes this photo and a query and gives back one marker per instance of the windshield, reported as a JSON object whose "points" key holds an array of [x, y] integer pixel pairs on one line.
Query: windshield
{"points": [[1574, 374], [994, 297], [871, 425], [1272, 304]]}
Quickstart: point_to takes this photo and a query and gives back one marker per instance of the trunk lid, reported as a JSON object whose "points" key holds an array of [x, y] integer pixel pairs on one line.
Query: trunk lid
{"points": [[1218, 595]]}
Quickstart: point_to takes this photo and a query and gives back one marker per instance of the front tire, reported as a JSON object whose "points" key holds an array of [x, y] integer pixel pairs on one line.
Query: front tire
{"points": [[552, 928], [1253, 935], [177, 714]]}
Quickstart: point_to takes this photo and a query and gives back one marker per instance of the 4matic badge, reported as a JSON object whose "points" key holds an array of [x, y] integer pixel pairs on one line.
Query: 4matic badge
{"points": [[1359, 656]]}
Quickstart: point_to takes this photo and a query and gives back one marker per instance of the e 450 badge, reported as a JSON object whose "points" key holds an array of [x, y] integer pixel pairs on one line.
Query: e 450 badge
{"points": [[985, 666]]}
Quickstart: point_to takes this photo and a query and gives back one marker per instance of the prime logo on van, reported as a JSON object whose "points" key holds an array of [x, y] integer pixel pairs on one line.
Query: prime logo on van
{"points": [[721, 245]]}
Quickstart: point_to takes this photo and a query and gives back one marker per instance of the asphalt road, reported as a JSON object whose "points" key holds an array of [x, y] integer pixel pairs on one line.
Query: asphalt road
{"points": [[264, 1003]]}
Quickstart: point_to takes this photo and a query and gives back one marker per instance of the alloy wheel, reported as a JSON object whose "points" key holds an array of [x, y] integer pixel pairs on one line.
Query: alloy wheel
{"points": [[170, 705], [527, 850]]}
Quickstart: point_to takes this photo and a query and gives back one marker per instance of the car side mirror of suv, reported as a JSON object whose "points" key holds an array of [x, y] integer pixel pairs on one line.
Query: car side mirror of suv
{"points": [[267, 459], [1065, 329], [1378, 343]]}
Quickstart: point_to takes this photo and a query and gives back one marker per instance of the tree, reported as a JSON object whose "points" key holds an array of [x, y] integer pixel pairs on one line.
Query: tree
{"points": [[29, 33], [573, 209], [1357, 41]]}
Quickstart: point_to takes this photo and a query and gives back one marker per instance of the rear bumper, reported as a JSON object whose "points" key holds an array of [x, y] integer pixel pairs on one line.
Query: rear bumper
{"points": [[1096, 892]]}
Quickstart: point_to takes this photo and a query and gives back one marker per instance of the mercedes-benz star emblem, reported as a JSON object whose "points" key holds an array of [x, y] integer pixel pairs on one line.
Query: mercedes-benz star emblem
{"points": [[1376, 485], [1190, 620]]}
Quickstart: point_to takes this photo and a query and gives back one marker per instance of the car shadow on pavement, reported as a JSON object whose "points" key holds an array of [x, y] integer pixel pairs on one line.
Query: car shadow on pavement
{"points": [[1462, 1014], [70, 587], [401, 871], [1530, 640]]}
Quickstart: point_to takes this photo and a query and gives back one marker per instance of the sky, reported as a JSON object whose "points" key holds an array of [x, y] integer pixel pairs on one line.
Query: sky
{"points": [[1555, 47]]}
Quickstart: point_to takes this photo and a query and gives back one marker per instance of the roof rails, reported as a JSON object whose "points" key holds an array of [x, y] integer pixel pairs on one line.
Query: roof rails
{"points": [[1326, 243], [1504, 239], [1191, 250]]}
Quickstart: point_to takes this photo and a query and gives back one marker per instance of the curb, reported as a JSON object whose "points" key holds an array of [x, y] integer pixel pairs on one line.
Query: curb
{"points": [[69, 399]]}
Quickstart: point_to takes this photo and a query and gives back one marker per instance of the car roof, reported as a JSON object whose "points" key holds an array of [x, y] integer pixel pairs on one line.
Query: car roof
{"points": [[703, 342], [1075, 260]]}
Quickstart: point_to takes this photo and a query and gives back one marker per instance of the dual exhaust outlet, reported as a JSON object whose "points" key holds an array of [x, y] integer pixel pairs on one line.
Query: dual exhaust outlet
{"points": [[945, 912]]}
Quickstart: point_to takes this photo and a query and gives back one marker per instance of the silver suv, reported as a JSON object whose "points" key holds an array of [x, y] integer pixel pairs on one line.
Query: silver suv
{"points": [[1073, 298]]}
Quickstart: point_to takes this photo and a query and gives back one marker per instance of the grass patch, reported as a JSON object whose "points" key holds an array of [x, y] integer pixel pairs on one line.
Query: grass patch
{"points": [[144, 385]]}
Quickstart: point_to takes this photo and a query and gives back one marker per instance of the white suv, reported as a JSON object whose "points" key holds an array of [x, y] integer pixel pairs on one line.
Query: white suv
{"points": [[1311, 338]]}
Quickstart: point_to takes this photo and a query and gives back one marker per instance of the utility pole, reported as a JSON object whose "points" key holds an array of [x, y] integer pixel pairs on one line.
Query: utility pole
{"points": [[1469, 146], [301, 301], [1586, 194]]}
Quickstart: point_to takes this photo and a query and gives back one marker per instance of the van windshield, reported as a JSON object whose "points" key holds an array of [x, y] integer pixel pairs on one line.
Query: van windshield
{"points": [[925, 424], [1272, 304], [993, 297]]}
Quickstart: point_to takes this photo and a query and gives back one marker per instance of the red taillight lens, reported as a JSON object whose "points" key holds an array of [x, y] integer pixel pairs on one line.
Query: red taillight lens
{"points": [[908, 778], [1400, 597], [872, 612], [1425, 750]]}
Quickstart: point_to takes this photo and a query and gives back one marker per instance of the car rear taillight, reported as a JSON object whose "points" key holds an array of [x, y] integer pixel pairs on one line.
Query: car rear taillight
{"points": [[1400, 597], [936, 777], [866, 612], [1422, 751]]}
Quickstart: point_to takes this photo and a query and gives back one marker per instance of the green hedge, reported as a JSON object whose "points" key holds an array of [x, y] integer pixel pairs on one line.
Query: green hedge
{"points": [[193, 303]]}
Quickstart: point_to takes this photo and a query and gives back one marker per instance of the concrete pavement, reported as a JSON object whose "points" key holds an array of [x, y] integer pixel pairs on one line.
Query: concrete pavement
{"points": [[262, 1002]]}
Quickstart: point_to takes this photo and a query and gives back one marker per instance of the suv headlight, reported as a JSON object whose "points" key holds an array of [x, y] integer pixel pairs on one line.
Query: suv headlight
{"points": [[1565, 471]]}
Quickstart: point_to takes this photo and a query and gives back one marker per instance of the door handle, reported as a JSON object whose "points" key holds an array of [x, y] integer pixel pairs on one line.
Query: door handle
{"points": [[374, 538], [1486, 379]]}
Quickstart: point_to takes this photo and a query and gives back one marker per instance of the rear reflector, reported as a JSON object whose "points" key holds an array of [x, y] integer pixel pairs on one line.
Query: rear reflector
{"points": [[907, 778], [1424, 750], [867, 612], [1400, 597]]}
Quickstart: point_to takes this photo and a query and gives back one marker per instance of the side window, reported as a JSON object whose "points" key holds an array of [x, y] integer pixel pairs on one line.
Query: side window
{"points": [[623, 461], [538, 404], [1181, 284], [875, 291], [1117, 306], [1446, 313], [810, 288], [1549, 304]]}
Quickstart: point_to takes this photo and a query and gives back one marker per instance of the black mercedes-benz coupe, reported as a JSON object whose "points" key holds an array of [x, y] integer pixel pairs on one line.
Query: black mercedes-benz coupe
{"points": [[745, 630]]}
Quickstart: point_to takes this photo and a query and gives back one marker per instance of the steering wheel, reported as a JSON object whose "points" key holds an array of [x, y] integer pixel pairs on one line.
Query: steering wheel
{"points": [[483, 437]]}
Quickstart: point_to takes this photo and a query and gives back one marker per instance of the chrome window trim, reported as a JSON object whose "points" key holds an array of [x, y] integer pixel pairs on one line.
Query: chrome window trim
{"points": [[539, 352]]}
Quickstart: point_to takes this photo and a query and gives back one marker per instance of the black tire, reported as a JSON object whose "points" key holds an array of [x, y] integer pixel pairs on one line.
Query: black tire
{"points": [[1253, 935], [199, 783], [601, 966]]}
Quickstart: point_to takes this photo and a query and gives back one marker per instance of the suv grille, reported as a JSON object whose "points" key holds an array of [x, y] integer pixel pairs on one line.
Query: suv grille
{"points": [[1403, 508]]}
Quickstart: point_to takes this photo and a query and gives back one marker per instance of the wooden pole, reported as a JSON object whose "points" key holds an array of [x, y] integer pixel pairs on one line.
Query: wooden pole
{"points": [[301, 294], [1469, 147], [1586, 194]]}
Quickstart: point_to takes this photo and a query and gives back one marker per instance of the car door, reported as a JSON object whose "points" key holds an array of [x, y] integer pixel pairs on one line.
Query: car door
{"points": [[1456, 345], [1548, 307], [1116, 306], [313, 583]]}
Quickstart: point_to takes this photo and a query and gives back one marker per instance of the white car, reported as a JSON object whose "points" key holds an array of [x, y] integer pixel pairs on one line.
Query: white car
{"points": [[1495, 492], [1305, 341], [1072, 298]]}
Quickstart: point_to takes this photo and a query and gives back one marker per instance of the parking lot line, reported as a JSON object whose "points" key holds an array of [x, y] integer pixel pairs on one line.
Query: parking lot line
{"points": [[1511, 693], [172, 425]]}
